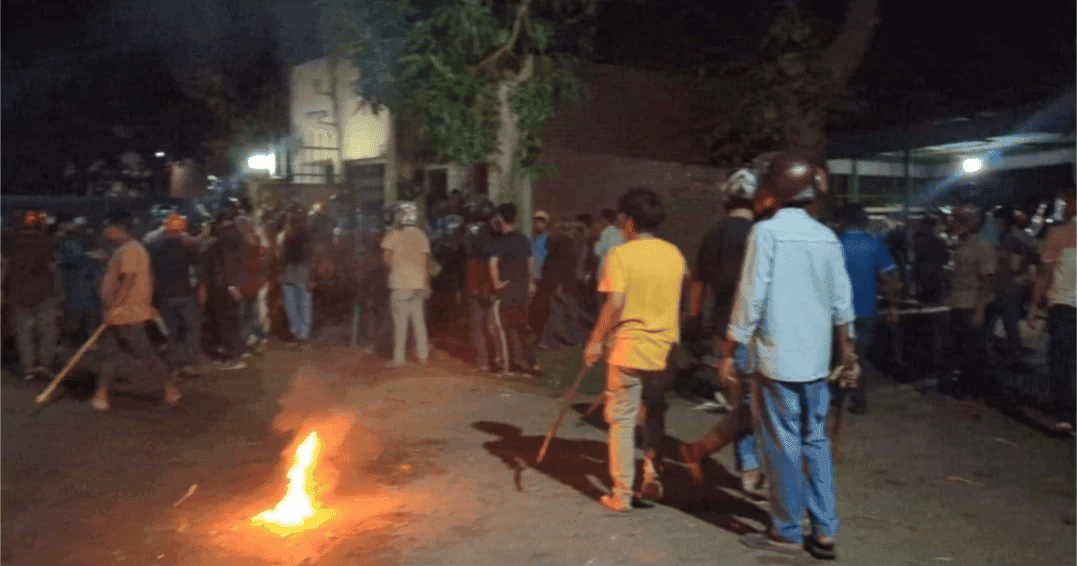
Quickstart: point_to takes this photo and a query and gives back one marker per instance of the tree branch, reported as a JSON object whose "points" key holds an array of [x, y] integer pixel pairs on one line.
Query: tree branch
{"points": [[848, 48], [518, 22]]}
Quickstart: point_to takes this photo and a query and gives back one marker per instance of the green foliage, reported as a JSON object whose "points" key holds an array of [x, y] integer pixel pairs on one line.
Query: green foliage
{"points": [[440, 63], [785, 73]]}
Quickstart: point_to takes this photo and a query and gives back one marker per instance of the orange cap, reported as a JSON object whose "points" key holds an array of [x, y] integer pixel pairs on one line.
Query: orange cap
{"points": [[175, 223]]}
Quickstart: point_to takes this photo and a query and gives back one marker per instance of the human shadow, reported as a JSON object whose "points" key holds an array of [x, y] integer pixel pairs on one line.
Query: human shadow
{"points": [[582, 465]]}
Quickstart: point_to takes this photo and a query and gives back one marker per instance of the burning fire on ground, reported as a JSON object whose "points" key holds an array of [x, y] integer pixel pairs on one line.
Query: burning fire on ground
{"points": [[299, 510]]}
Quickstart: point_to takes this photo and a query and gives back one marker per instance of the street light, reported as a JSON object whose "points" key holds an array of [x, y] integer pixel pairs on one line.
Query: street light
{"points": [[159, 154], [261, 162], [972, 165]]}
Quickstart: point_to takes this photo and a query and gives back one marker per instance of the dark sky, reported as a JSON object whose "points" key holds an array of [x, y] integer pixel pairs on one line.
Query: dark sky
{"points": [[924, 60]]}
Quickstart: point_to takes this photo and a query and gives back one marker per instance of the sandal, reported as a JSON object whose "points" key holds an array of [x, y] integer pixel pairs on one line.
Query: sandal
{"points": [[760, 541], [820, 550]]}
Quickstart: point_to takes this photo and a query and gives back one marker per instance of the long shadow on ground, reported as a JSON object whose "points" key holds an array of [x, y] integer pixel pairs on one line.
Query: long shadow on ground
{"points": [[574, 462]]}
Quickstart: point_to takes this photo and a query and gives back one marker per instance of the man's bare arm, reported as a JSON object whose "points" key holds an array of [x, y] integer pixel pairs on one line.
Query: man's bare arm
{"points": [[495, 275], [696, 298]]}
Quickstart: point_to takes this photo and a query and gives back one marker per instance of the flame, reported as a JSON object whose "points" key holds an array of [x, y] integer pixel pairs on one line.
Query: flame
{"points": [[298, 509]]}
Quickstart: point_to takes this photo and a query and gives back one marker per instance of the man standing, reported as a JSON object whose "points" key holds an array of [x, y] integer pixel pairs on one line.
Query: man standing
{"points": [[639, 319], [867, 260], [972, 290], [718, 265], [559, 286], [478, 288], [609, 238], [174, 259], [222, 277], [1054, 287], [406, 250], [793, 299], [540, 305], [34, 295], [512, 269], [126, 296]]}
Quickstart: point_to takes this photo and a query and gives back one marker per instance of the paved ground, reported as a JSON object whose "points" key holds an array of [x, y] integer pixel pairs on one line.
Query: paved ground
{"points": [[439, 468]]}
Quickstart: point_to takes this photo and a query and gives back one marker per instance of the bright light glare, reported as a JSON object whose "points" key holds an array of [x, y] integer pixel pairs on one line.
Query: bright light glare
{"points": [[159, 154], [972, 165], [262, 162]]}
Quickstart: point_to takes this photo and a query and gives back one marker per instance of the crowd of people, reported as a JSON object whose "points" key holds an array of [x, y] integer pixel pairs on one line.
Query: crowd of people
{"points": [[794, 308]]}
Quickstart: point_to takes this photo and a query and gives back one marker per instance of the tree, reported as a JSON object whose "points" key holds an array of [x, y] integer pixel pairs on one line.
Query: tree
{"points": [[467, 81], [795, 84]]}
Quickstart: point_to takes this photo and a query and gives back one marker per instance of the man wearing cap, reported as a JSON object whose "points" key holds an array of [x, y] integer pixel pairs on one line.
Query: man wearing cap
{"points": [[34, 294], [126, 296], [794, 300], [406, 250], [718, 265], [174, 259]]}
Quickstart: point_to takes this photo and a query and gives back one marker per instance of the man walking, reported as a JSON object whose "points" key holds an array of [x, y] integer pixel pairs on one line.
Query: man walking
{"points": [[126, 296], [1055, 286], [34, 294], [718, 265], [639, 319], [174, 259], [222, 276], [512, 270], [793, 300], [867, 260], [406, 250]]}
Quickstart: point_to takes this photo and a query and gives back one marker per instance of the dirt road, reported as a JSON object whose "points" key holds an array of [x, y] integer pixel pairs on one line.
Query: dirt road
{"points": [[441, 470]]}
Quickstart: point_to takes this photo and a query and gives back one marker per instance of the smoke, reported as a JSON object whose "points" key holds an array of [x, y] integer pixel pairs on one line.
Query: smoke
{"points": [[323, 402]]}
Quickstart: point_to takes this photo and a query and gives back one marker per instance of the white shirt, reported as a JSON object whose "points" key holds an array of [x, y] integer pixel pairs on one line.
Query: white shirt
{"points": [[609, 239], [793, 291]]}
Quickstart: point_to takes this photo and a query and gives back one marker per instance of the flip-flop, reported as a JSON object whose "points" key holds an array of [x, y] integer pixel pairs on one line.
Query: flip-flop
{"points": [[760, 541], [819, 550]]}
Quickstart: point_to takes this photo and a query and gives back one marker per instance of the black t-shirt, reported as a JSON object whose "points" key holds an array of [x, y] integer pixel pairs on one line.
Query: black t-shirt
{"points": [[512, 251], [718, 263], [560, 263], [171, 259]]}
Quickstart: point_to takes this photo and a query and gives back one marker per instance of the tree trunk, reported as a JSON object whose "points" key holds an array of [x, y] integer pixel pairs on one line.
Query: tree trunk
{"points": [[804, 127], [506, 179]]}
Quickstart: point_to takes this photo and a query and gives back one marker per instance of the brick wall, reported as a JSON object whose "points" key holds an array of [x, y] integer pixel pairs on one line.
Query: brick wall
{"points": [[591, 182]]}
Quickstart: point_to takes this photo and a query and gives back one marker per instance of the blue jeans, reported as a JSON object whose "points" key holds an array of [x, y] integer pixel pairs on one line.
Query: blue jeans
{"points": [[792, 427], [745, 445], [183, 318], [297, 304]]}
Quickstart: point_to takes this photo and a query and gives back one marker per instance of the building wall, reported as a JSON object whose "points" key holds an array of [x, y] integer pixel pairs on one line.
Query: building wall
{"points": [[588, 182], [365, 132]]}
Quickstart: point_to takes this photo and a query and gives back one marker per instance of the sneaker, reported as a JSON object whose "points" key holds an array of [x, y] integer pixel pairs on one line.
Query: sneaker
{"points": [[230, 365], [30, 376], [610, 501], [1064, 427], [651, 489]]}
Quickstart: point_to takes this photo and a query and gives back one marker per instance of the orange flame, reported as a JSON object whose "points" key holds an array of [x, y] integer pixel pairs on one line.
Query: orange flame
{"points": [[298, 510]]}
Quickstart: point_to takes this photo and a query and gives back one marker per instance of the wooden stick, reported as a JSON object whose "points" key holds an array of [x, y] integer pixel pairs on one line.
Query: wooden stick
{"points": [[44, 397], [564, 409]]}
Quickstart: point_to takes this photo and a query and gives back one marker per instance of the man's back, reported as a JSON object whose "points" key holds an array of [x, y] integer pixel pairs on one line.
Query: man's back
{"points": [[718, 263], [513, 251], [172, 259], [866, 257], [794, 290], [650, 273], [409, 247], [31, 278]]}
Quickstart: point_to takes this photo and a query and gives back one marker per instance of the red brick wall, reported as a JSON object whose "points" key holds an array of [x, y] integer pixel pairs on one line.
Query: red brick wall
{"points": [[592, 182]]}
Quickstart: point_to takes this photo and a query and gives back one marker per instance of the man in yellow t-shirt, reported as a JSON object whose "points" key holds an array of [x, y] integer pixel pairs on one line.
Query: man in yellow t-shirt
{"points": [[642, 280]]}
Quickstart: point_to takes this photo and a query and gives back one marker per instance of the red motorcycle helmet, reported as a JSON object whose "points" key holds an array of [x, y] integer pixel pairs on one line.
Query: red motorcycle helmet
{"points": [[786, 178], [33, 220]]}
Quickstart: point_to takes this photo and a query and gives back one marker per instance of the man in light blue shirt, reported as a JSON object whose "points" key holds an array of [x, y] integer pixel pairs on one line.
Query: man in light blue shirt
{"points": [[794, 298], [609, 238], [540, 220]]}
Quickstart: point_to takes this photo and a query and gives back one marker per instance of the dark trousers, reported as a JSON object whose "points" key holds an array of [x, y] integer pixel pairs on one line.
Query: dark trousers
{"points": [[516, 340], [128, 344], [967, 356], [565, 321], [864, 332], [1061, 360], [1008, 308], [184, 321], [227, 323]]}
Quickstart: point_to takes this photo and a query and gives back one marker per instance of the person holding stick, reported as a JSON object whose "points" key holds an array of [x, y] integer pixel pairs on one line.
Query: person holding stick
{"points": [[642, 280], [794, 298], [127, 295]]}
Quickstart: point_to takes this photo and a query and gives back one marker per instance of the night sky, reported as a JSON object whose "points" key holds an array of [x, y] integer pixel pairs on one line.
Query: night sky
{"points": [[923, 62]]}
